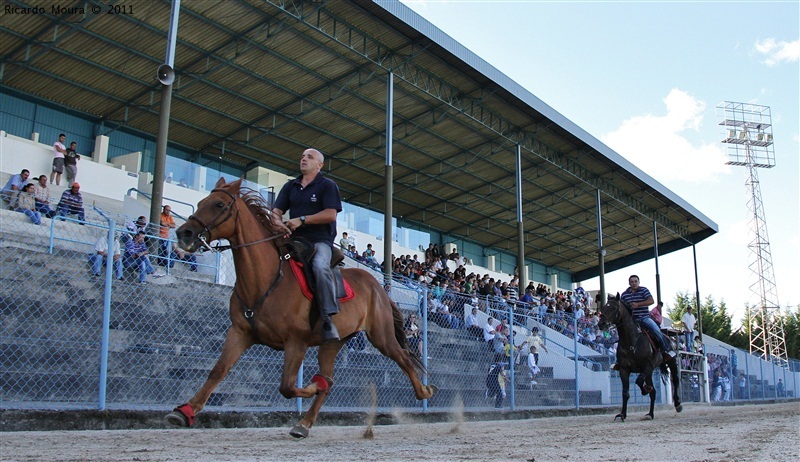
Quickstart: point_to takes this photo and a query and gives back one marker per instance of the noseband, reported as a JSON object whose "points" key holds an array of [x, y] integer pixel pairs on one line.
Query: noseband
{"points": [[201, 236]]}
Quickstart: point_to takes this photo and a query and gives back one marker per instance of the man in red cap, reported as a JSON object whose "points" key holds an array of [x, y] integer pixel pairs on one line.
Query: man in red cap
{"points": [[71, 203]]}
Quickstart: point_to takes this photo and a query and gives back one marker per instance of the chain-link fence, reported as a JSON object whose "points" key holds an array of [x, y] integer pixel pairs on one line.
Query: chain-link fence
{"points": [[80, 330]]}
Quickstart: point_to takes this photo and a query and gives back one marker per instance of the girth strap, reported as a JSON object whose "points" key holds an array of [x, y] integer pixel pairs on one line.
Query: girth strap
{"points": [[250, 312]]}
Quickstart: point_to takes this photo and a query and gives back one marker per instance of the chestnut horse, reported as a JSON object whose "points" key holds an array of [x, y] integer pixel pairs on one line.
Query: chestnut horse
{"points": [[267, 306], [635, 353]]}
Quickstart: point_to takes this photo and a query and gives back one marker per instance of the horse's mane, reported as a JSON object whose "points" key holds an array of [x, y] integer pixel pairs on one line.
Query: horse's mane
{"points": [[259, 206]]}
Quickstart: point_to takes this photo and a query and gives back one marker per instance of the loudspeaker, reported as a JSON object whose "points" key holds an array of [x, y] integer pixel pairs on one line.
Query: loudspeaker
{"points": [[165, 74]]}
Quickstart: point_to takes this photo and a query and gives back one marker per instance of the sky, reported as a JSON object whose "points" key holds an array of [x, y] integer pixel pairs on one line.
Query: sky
{"points": [[645, 79]]}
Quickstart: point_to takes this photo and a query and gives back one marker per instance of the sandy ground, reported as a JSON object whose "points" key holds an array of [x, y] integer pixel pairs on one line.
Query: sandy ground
{"points": [[765, 432]]}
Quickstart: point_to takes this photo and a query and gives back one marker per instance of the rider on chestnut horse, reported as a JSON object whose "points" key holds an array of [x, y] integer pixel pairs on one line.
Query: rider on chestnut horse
{"points": [[314, 201]]}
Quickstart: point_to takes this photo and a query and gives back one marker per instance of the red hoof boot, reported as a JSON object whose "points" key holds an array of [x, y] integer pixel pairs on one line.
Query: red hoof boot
{"points": [[181, 416]]}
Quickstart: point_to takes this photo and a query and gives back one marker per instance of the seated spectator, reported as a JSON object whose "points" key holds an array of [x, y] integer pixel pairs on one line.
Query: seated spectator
{"points": [[13, 187], [413, 334], [183, 184], [488, 332], [98, 258], [472, 324], [71, 203], [178, 254], [27, 205], [41, 196], [137, 256], [369, 255]]}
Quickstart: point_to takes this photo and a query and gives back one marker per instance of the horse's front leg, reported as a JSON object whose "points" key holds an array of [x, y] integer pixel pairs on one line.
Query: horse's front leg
{"points": [[236, 342], [625, 376], [320, 386]]}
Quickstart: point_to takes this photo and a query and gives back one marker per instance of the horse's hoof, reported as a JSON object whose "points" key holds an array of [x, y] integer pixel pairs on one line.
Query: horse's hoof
{"points": [[299, 431], [679, 408], [648, 417], [177, 419], [433, 389], [620, 417]]}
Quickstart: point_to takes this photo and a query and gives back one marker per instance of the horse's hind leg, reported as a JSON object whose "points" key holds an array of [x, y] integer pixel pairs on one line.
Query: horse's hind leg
{"points": [[625, 377], [387, 344], [652, 392], [236, 342], [320, 386]]}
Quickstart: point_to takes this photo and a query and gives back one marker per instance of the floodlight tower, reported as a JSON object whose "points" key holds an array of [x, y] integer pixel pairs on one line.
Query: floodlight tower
{"points": [[748, 135]]}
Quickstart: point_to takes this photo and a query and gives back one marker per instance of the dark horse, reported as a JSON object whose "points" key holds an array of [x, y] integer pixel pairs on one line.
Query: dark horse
{"points": [[635, 353], [267, 306]]}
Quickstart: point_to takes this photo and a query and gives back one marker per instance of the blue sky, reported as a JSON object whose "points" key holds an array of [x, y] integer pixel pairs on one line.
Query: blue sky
{"points": [[645, 79]]}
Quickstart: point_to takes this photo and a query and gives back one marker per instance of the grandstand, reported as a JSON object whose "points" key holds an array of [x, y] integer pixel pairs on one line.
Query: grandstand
{"points": [[456, 118]]}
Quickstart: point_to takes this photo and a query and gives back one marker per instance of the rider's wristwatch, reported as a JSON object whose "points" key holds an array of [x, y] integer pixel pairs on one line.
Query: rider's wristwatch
{"points": [[302, 220]]}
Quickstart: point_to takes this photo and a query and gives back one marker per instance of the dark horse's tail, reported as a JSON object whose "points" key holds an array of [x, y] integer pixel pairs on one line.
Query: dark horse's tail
{"points": [[400, 335], [670, 368]]}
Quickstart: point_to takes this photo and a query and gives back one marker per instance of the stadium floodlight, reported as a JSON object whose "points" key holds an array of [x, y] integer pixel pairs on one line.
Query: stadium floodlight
{"points": [[747, 133]]}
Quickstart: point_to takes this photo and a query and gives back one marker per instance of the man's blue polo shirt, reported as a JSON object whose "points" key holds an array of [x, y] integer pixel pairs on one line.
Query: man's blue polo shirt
{"points": [[321, 194]]}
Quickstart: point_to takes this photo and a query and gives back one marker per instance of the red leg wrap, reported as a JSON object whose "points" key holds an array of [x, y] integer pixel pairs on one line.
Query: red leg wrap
{"points": [[187, 411], [323, 383]]}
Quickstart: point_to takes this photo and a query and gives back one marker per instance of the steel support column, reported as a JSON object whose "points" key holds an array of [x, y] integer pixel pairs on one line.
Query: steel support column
{"points": [[387, 215], [601, 253], [163, 122], [523, 279]]}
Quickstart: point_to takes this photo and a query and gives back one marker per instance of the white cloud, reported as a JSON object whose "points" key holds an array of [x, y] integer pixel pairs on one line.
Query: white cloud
{"points": [[776, 52], [655, 143]]}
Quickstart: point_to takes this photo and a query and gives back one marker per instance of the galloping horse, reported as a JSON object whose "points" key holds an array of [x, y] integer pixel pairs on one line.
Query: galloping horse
{"points": [[635, 353], [268, 307]]}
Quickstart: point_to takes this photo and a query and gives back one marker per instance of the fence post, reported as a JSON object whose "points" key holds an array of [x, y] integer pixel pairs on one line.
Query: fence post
{"points": [[298, 400], [511, 351], [761, 376], [575, 346], [747, 375], [425, 342], [775, 380], [101, 401]]}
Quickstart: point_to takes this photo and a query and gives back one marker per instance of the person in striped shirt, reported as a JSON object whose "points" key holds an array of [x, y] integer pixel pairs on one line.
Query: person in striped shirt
{"points": [[639, 299]]}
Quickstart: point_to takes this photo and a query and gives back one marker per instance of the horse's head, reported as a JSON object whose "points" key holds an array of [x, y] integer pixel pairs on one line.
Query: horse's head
{"points": [[610, 312], [213, 219]]}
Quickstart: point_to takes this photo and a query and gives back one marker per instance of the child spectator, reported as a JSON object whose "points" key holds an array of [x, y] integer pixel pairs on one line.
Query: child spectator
{"points": [[27, 205]]}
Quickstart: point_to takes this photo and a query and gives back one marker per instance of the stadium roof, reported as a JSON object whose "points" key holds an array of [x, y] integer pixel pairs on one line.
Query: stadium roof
{"points": [[259, 80]]}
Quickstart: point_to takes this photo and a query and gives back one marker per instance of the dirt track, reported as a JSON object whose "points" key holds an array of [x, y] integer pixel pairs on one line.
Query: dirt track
{"points": [[766, 432]]}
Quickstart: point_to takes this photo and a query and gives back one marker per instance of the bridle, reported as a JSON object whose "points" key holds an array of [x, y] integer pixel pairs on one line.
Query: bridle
{"points": [[230, 209]]}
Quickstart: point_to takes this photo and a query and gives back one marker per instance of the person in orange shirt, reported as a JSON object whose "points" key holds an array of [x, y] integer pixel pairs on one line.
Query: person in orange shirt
{"points": [[167, 223]]}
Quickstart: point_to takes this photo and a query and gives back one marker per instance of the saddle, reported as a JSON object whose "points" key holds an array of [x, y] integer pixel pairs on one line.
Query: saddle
{"points": [[301, 251]]}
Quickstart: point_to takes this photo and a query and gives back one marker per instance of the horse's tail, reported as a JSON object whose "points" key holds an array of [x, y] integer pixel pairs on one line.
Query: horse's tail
{"points": [[400, 335], [670, 369]]}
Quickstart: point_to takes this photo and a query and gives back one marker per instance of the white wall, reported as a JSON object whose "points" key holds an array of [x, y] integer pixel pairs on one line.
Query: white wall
{"points": [[17, 153]]}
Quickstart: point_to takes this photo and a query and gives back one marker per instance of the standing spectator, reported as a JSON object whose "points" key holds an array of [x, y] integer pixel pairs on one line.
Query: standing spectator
{"points": [[98, 259], [344, 242], [14, 186], [499, 343], [137, 256], [71, 202], [493, 385], [41, 196], [59, 151], [534, 341], [779, 388], [689, 321], [167, 223], [26, 205], [71, 158], [742, 386], [533, 367]]}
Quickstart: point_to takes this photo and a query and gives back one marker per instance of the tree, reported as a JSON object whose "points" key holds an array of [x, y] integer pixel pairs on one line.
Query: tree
{"points": [[714, 318], [791, 329]]}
